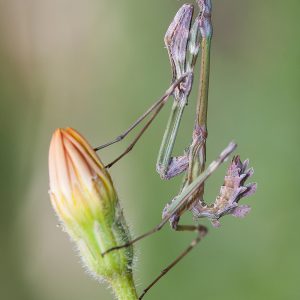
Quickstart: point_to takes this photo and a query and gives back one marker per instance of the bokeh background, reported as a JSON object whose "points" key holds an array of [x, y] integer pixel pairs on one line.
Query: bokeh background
{"points": [[96, 65]]}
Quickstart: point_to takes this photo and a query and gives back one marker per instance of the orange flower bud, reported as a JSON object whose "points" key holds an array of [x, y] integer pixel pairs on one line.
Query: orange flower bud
{"points": [[80, 186], [84, 198]]}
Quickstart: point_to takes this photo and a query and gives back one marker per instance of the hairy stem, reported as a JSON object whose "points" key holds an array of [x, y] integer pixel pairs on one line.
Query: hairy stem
{"points": [[123, 287]]}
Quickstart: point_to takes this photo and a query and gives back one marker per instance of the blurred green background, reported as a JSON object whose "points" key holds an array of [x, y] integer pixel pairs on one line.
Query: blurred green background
{"points": [[96, 65]]}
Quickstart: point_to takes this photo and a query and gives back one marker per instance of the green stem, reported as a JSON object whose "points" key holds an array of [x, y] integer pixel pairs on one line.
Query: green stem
{"points": [[123, 287]]}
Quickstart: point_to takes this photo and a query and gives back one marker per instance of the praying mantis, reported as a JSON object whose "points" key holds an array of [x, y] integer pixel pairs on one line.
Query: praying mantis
{"points": [[184, 40]]}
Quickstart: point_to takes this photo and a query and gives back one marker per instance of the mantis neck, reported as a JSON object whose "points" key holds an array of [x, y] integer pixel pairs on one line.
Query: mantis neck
{"points": [[197, 151], [201, 117], [197, 154]]}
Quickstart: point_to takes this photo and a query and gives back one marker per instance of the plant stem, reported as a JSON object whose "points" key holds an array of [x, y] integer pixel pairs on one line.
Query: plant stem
{"points": [[123, 287]]}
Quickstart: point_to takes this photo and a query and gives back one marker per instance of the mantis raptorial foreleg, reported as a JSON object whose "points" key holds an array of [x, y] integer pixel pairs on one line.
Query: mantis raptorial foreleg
{"points": [[182, 43], [154, 109]]}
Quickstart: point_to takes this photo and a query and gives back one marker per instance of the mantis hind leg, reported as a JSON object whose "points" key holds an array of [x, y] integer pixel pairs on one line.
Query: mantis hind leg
{"points": [[201, 232]]}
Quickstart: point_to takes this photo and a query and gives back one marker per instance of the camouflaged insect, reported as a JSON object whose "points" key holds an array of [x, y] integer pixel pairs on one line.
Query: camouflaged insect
{"points": [[232, 191]]}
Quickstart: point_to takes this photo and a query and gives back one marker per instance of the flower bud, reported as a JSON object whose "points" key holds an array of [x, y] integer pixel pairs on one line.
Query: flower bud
{"points": [[84, 198]]}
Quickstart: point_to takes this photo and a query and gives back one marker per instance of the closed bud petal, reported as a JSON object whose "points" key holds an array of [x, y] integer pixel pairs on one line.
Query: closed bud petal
{"points": [[80, 187], [84, 198]]}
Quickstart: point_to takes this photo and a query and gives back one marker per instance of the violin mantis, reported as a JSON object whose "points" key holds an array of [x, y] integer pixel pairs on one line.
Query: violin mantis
{"points": [[184, 39]]}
